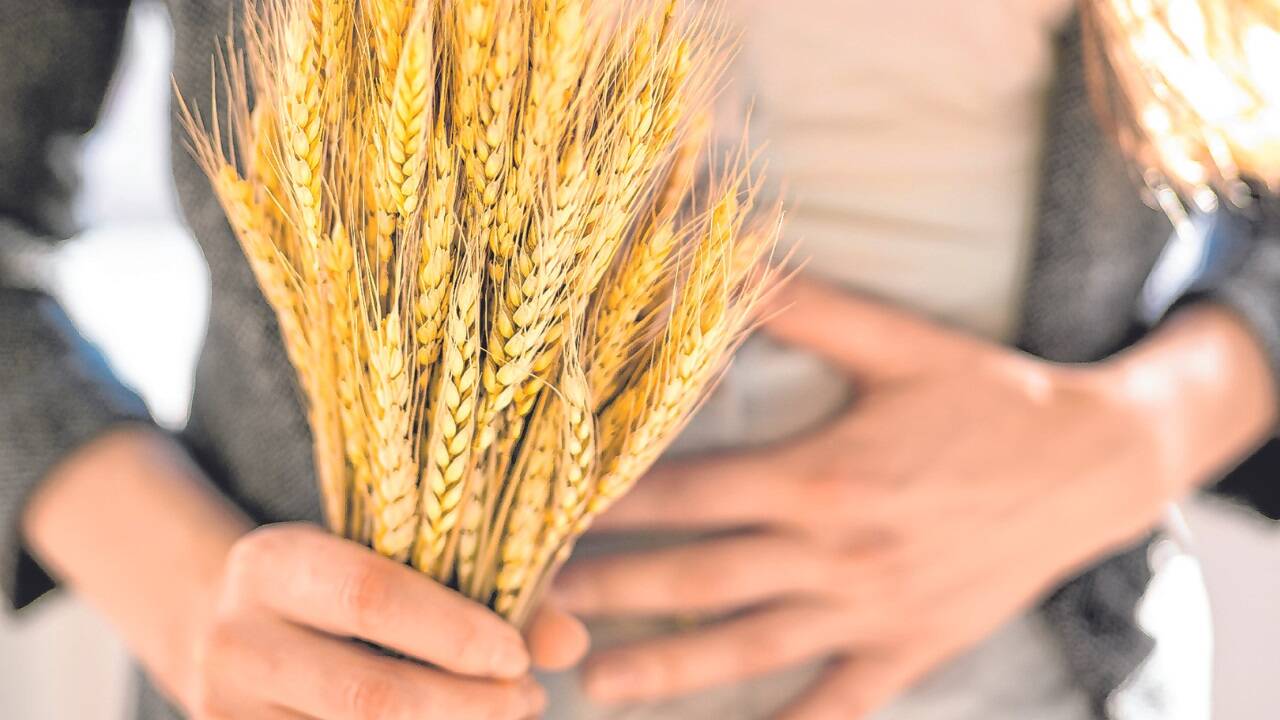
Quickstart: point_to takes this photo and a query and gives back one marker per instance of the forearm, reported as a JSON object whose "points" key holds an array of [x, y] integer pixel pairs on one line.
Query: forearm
{"points": [[130, 524], [1204, 384]]}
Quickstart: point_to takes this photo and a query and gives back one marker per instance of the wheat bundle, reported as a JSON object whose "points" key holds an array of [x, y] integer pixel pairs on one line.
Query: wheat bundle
{"points": [[501, 288], [1193, 89]]}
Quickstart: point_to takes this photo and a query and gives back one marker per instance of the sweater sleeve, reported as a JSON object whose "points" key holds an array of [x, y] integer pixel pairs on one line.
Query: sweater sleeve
{"points": [[1252, 288], [56, 391]]}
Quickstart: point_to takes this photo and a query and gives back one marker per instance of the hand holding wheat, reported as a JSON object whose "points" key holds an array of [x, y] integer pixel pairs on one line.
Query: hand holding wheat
{"points": [[289, 593], [476, 223]]}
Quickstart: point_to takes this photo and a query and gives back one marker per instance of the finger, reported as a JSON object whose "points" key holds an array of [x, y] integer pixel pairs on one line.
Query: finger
{"points": [[857, 687], [333, 679], [711, 575], [274, 712], [557, 640], [873, 338], [321, 581], [733, 651], [253, 711], [715, 492]]}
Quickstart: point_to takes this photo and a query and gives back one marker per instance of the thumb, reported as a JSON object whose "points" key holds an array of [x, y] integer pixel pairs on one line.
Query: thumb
{"points": [[866, 336], [557, 640]]}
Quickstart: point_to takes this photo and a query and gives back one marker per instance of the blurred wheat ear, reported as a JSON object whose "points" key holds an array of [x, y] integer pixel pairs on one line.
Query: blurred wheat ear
{"points": [[1189, 89]]}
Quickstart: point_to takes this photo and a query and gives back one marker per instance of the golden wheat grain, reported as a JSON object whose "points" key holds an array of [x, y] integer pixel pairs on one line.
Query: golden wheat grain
{"points": [[704, 324], [642, 278], [298, 315], [572, 486], [436, 264], [525, 517], [638, 282], [395, 492], [651, 94], [476, 519], [448, 449], [263, 172], [684, 167], [388, 19], [408, 134], [301, 122], [324, 414], [338, 260], [579, 436], [532, 296], [557, 55], [336, 35], [570, 494], [567, 219], [555, 61], [487, 39]]}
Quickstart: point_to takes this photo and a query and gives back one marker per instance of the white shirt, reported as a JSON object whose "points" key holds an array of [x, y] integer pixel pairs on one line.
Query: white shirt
{"points": [[908, 135]]}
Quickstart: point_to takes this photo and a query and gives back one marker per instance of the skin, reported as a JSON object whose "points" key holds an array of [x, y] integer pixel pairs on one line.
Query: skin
{"points": [[258, 624], [965, 481]]}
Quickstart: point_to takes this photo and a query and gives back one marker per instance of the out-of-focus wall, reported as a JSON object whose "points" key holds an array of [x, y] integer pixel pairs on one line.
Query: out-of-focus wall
{"points": [[59, 661]]}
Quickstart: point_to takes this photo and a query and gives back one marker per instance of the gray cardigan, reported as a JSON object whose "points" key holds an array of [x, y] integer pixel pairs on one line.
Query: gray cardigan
{"points": [[1095, 245]]}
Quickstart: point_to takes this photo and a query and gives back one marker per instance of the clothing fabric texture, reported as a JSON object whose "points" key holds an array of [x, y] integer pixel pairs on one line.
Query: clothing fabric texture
{"points": [[1093, 244]]}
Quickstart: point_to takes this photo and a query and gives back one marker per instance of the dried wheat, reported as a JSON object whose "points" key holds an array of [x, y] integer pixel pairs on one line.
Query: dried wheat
{"points": [[395, 492], [448, 450]]}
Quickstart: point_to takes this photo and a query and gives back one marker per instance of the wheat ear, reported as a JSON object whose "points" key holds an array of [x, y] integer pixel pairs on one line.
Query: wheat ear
{"points": [[643, 276], [532, 295], [566, 220], [338, 260], [490, 58], [409, 123], [395, 491], [707, 319], [302, 122], [556, 55], [436, 263], [452, 424], [570, 493], [388, 19], [531, 481]]}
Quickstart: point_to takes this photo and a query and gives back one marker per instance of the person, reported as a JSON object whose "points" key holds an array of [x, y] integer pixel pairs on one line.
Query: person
{"points": [[939, 480]]}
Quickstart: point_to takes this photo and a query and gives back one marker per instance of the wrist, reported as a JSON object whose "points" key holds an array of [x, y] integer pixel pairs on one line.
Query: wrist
{"points": [[130, 524], [1202, 393]]}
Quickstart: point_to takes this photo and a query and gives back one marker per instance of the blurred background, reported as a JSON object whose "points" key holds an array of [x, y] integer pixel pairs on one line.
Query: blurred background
{"points": [[58, 661]]}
